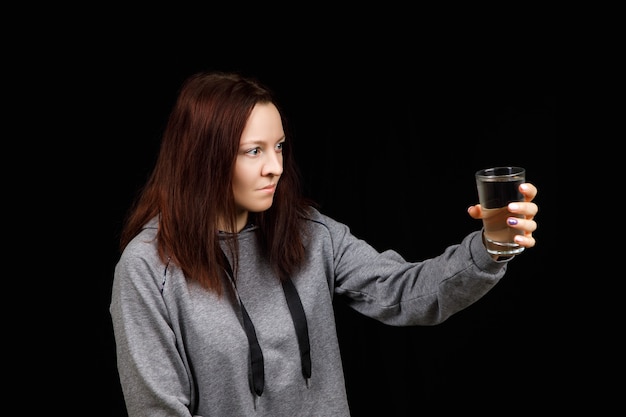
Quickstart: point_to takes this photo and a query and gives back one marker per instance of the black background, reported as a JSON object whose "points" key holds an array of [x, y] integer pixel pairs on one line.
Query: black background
{"points": [[388, 135]]}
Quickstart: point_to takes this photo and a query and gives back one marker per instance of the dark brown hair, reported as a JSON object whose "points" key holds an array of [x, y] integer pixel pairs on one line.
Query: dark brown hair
{"points": [[190, 187]]}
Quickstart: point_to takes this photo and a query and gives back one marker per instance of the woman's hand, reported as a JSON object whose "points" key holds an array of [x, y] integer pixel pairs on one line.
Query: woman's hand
{"points": [[526, 208]]}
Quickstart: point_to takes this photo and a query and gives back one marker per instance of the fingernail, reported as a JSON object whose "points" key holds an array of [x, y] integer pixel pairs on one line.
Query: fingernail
{"points": [[513, 206], [512, 221]]}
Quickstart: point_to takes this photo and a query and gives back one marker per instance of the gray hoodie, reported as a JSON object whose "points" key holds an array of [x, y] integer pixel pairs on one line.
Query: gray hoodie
{"points": [[182, 351]]}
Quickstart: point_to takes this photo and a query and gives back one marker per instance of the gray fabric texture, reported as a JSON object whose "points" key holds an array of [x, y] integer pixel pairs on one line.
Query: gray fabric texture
{"points": [[182, 351]]}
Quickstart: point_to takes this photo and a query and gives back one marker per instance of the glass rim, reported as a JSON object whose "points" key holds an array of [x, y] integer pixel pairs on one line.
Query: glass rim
{"points": [[504, 171]]}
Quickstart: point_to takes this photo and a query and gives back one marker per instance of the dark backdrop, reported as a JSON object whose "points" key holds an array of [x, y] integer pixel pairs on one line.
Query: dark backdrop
{"points": [[388, 143]]}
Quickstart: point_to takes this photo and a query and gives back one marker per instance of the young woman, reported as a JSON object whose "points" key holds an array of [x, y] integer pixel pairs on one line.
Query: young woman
{"points": [[222, 301]]}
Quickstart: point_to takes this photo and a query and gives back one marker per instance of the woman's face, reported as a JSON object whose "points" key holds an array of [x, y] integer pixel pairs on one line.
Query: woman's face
{"points": [[259, 162]]}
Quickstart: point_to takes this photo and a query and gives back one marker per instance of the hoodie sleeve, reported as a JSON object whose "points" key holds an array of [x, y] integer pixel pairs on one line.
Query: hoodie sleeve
{"points": [[152, 372], [388, 288]]}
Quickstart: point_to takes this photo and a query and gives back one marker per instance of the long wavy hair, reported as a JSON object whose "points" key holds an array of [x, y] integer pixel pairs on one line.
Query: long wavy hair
{"points": [[190, 187]]}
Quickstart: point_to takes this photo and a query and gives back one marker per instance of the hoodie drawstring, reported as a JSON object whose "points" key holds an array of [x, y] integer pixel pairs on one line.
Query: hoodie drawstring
{"points": [[298, 317]]}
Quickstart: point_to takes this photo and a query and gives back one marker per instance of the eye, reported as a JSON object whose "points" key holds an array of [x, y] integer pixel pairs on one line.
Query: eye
{"points": [[280, 146], [253, 151]]}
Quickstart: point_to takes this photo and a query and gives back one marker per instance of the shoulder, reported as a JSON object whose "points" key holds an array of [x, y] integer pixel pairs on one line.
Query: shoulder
{"points": [[318, 221], [141, 253], [144, 243], [315, 216]]}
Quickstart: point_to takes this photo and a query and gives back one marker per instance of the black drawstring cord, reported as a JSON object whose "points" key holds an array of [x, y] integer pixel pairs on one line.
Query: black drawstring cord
{"points": [[299, 322], [256, 354], [301, 327], [258, 373]]}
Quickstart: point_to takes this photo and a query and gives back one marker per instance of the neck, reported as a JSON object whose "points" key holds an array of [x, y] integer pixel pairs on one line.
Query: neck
{"points": [[241, 221]]}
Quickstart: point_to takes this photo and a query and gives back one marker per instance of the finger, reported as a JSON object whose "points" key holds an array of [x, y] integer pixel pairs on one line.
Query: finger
{"points": [[527, 209], [526, 241], [475, 211], [528, 226], [528, 190]]}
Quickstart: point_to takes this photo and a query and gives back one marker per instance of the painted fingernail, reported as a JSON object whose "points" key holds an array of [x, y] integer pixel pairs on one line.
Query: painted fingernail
{"points": [[512, 221], [513, 206]]}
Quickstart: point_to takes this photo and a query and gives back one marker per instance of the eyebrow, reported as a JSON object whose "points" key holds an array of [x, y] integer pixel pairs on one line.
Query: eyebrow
{"points": [[260, 141]]}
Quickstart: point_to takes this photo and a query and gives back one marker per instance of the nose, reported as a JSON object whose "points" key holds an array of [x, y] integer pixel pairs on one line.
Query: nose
{"points": [[273, 164]]}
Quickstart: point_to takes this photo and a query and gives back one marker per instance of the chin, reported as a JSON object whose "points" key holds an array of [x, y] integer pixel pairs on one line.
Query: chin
{"points": [[259, 208]]}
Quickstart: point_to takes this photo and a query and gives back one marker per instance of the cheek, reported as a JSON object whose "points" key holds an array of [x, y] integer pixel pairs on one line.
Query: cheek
{"points": [[243, 178]]}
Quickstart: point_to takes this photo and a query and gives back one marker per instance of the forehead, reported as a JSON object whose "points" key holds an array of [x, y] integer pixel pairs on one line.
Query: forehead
{"points": [[263, 124]]}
